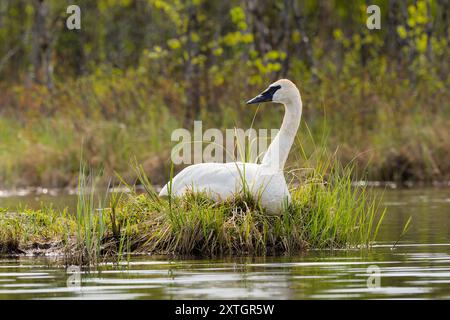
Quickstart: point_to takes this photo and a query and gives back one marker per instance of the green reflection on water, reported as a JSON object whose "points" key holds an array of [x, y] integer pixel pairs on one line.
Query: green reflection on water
{"points": [[419, 267]]}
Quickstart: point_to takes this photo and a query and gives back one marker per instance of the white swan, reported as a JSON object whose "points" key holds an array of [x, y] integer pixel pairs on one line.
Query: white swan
{"points": [[266, 180]]}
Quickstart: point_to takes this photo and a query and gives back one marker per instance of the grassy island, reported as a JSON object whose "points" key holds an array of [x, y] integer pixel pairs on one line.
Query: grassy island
{"points": [[326, 212]]}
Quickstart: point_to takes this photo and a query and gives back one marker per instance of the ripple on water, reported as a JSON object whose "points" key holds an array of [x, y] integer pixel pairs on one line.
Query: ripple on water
{"points": [[418, 267]]}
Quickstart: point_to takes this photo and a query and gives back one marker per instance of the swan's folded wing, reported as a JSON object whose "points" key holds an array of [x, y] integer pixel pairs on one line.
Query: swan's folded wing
{"points": [[219, 179]]}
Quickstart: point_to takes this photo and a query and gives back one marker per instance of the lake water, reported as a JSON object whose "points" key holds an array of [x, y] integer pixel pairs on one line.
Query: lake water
{"points": [[418, 267]]}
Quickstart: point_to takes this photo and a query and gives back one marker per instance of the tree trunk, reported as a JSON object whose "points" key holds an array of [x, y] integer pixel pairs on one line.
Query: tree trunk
{"points": [[305, 45], [259, 29], [285, 36], [192, 72], [41, 45], [393, 39]]}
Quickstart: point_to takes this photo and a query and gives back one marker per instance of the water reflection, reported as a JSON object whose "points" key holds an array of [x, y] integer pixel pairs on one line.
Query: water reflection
{"points": [[419, 267]]}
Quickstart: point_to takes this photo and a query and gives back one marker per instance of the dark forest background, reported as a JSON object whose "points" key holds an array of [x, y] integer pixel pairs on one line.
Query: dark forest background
{"points": [[137, 69]]}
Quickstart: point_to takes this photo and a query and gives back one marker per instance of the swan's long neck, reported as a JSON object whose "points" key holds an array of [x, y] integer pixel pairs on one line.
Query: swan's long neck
{"points": [[278, 151]]}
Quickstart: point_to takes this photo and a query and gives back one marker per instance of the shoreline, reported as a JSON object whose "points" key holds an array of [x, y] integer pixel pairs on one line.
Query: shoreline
{"points": [[55, 192]]}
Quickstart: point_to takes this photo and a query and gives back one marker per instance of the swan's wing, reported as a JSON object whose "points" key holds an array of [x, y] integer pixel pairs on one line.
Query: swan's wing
{"points": [[219, 179]]}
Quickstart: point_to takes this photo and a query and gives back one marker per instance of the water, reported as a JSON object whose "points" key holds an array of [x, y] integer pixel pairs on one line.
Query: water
{"points": [[419, 266]]}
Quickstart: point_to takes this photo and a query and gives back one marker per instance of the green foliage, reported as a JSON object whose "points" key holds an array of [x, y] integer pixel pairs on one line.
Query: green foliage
{"points": [[44, 229], [324, 213], [138, 69]]}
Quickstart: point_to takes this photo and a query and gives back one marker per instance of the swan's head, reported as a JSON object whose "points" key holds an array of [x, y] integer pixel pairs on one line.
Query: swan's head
{"points": [[282, 91]]}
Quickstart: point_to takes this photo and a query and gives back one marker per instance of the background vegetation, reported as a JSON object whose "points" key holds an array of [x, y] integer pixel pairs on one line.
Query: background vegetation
{"points": [[137, 69]]}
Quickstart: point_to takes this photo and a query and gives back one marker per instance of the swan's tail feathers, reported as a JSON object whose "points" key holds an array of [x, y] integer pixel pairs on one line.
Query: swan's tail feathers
{"points": [[164, 192]]}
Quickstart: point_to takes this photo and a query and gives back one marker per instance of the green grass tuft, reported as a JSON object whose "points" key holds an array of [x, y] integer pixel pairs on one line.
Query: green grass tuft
{"points": [[326, 212]]}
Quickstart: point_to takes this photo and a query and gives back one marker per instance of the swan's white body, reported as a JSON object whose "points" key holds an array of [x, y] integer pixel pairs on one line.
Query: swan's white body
{"points": [[223, 180], [265, 181]]}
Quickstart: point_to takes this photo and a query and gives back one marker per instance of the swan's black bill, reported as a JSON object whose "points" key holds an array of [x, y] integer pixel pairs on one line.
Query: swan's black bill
{"points": [[265, 96]]}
